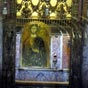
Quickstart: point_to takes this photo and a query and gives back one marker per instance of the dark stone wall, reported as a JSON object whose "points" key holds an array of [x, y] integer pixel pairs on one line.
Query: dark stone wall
{"points": [[85, 48], [0, 7], [8, 47], [85, 59], [0, 49], [85, 7], [0, 42], [0, 36], [8, 54]]}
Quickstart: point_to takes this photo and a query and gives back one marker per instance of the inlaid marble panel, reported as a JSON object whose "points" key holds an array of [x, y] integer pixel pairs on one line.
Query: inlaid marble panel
{"points": [[56, 51], [66, 52], [42, 75]]}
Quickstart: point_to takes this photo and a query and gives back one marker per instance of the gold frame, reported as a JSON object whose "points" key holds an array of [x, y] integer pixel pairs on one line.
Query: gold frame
{"points": [[44, 33]]}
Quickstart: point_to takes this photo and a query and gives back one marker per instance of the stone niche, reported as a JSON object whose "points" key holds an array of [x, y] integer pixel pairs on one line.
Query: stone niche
{"points": [[46, 61]]}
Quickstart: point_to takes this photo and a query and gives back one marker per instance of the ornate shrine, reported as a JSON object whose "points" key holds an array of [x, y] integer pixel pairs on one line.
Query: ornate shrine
{"points": [[42, 43]]}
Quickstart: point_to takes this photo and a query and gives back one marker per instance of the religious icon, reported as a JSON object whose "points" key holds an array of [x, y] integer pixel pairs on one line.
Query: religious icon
{"points": [[34, 51]]}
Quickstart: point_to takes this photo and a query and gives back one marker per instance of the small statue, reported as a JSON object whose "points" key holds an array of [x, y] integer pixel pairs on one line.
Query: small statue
{"points": [[44, 9], [55, 60], [26, 12], [62, 11]]}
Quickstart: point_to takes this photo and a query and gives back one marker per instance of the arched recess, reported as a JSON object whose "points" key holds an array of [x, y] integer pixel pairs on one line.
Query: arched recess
{"points": [[54, 75], [75, 43]]}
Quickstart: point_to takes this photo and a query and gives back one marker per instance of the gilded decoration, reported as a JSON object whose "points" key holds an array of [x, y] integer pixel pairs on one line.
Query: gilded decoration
{"points": [[51, 9]]}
